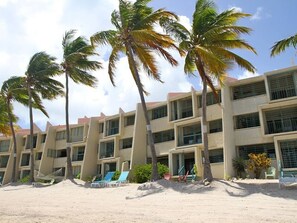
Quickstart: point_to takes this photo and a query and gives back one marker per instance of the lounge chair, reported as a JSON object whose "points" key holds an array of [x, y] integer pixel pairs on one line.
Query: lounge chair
{"points": [[102, 183], [286, 177], [270, 173], [183, 177], [123, 179]]}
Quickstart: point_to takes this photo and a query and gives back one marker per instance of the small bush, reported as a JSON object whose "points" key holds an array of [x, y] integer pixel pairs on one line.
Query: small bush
{"points": [[116, 175], [77, 176], [239, 164], [258, 162], [143, 173], [25, 179]]}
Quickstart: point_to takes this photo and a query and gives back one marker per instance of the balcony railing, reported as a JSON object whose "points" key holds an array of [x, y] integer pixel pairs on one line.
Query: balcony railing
{"points": [[282, 93], [191, 139], [78, 157], [282, 125]]}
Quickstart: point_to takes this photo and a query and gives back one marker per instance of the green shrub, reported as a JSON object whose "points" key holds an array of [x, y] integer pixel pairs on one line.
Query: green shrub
{"points": [[239, 165], [116, 175], [143, 173], [25, 179], [77, 176]]}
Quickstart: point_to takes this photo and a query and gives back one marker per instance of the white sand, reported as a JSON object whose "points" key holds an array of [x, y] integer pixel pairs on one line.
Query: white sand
{"points": [[162, 201]]}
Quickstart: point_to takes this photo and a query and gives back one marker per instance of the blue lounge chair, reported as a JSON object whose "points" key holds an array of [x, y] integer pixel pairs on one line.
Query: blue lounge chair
{"points": [[123, 179], [102, 183]]}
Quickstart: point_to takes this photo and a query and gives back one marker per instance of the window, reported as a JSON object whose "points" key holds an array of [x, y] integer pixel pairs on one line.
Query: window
{"points": [[4, 145], [1, 176], [113, 127], [190, 135], [126, 143], [249, 90], [215, 126], [56, 153], [43, 138], [282, 86], [289, 153], [76, 134], [281, 120], [109, 167], [267, 148], [25, 159], [78, 153], [101, 127], [61, 135], [186, 108], [159, 112], [29, 139], [3, 161], [215, 155], [61, 153], [106, 149], [129, 120], [163, 136], [181, 108], [210, 99], [247, 121], [38, 156], [161, 159], [76, 171]]}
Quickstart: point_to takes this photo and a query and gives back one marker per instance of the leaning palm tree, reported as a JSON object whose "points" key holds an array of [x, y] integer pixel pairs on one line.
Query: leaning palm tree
{"points": [[40, 85], [12, 90], [281, 45], [208, 48], [135, 36], [4, 118], [76, 66]]}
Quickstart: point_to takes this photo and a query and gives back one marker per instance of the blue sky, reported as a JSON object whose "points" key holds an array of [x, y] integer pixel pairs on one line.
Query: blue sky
{"points": [[30, 26]]}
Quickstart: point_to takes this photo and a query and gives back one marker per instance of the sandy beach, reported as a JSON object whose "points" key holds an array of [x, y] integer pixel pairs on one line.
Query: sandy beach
{"points": [[162, 201]]}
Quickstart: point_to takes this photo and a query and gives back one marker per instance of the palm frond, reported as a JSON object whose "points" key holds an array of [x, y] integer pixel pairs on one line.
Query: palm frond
{"points": [[281, 45]]}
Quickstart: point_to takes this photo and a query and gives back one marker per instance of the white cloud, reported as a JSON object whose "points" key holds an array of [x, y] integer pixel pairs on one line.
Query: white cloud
{"points": [[258, 14], [247, 74], [237, 9], [185, 21], [38, 25]]}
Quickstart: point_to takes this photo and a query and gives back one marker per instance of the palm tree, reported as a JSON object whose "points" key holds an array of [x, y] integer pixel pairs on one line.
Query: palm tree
{"points": [[12, 90], [4, 118], [208, 50], [281, 45], [135, 36], [76, 66], [40, 84]]}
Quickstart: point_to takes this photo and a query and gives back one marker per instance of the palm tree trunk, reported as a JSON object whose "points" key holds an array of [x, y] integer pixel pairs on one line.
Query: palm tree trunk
{"points": [[207, 170], [207, 175], [13, 177], [155, 175], [31, 136], [69, 173]]}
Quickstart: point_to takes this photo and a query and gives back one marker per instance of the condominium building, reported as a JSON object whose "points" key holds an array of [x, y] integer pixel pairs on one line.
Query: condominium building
{"points": [[255, 115]]}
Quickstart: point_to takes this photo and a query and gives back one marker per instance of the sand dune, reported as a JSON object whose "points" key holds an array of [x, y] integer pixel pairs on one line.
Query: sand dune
{"points": [[162, 201]]}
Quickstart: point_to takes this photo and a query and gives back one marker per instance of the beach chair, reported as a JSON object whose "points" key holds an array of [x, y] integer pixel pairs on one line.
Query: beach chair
{"points": [[270, 173], [102, 183], [123, 179], [286, 177], [183, 177]]}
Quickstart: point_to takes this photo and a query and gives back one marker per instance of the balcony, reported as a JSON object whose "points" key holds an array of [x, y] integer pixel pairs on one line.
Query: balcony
{"points": [[189, 135], [106, 149], [281, 120]]}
